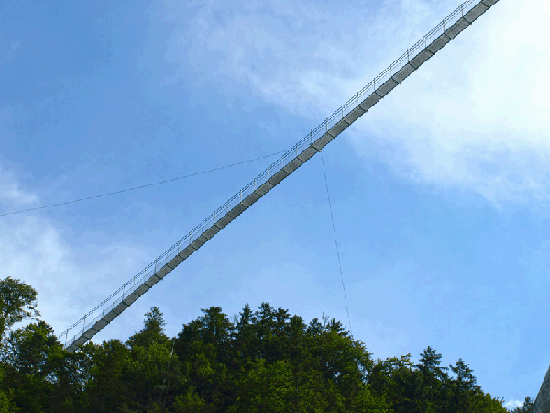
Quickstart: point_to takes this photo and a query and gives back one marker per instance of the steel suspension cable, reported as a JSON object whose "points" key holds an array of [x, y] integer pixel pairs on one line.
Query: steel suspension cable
{"points": [[142, 186], [335, 241]]}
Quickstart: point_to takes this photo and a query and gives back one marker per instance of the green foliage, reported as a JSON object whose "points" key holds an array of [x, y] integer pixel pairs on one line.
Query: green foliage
{"points": [[108, 389], [39, 375], [264, 388], [260, 361], [152, 371], [528, 406], [5, 404], [190, 402], [427, 387], [153, 330], [17, 303]]}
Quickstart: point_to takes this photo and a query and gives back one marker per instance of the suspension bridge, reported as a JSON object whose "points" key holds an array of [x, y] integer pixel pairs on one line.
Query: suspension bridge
{"points": [[423, 50]]}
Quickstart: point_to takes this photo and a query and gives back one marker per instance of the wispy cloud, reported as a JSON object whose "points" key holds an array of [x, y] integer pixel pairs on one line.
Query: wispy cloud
{"points": [[292, 54], [70, 272], [473, 117], [11, 191], [482, 132], [513, 404]]}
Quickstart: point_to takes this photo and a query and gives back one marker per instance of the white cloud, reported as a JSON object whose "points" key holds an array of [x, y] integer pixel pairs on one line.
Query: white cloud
{"points": [[291, 53], [487, 132], [10, 190], [547, 6], [475, 116], [70, 275], [513, 404]]}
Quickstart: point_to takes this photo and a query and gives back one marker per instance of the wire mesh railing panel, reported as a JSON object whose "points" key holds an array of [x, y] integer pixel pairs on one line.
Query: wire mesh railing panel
{"points": [[160, 264]]}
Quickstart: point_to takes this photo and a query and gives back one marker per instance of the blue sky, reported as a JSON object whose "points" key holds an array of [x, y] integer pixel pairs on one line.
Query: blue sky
{"points": [[440, 192]]}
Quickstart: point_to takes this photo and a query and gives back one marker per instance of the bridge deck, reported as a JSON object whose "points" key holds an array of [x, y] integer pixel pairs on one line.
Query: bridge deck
{"points": [[342, 118]]}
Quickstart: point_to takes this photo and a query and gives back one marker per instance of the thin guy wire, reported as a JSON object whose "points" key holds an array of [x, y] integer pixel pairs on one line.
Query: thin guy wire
{"points": [[335, 242], [142, 186]]}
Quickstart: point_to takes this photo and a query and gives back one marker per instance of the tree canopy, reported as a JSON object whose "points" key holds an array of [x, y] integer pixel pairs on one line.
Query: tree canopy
{"points": [[17, 303], [263, 360]]}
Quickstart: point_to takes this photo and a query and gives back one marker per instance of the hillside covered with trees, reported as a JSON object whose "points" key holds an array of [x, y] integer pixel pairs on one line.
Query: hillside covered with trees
{"points": [[263, 360]]}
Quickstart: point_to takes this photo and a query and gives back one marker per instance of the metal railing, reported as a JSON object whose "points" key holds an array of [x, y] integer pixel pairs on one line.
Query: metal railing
{"points": [[116, 298]]}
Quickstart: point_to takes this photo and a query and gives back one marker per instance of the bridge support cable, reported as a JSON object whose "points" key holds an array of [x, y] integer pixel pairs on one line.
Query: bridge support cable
{"points": [[110, 308], [336, 243], [139, 187]]}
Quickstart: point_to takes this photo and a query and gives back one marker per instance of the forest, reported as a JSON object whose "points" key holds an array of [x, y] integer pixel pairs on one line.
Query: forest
{"points": [[263, 360]]}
